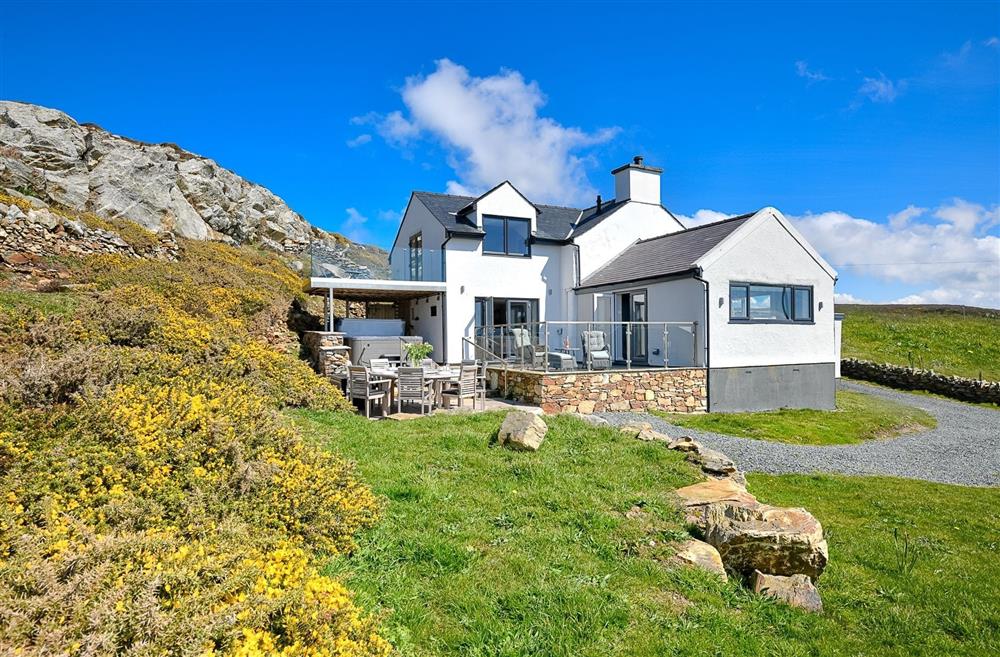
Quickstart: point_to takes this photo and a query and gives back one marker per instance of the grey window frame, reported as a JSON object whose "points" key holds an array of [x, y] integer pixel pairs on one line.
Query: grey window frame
{"points": [[790, 288], [506, 237]]}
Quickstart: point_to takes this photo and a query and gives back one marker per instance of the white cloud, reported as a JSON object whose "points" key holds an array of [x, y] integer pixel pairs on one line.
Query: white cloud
{"points": [[901, 219], [493, 132], [846, 297], [803, 71], [966, 217], [949, 254], [881, 89], [992, 42], [360, 140]]}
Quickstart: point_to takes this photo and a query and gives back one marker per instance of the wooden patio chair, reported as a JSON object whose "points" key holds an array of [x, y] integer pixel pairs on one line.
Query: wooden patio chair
{"points": [[466, 388], [480, 366], [411, 386], [363, 386]]}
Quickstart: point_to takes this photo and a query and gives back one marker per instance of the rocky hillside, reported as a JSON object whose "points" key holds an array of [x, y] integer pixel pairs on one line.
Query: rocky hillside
{"points": [[47, 156]]}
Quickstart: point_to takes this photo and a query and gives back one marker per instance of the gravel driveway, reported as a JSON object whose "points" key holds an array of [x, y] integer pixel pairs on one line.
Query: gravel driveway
{"points": [[963, 449]]}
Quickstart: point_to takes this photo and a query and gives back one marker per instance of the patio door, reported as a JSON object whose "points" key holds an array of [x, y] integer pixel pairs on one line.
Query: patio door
{"points": [[494, 315], [632, 307]]}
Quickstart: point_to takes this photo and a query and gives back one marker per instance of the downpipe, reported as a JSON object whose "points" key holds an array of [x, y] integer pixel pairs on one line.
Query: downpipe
{"points": [[708, 350]]}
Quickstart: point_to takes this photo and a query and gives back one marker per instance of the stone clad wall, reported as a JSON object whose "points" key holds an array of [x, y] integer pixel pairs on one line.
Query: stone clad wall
{"points": [[326, 351], [908, 378], [674, 390]]}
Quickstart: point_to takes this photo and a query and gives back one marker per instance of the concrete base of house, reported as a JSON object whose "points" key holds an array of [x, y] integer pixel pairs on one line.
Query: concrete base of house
{"points": [[677, 390], [765, 388]]}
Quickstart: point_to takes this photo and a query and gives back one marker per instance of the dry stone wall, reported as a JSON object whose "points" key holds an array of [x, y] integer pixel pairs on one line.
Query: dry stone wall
{"points": [[326, 351], [673, 390], [39, 231], [908, 378]]}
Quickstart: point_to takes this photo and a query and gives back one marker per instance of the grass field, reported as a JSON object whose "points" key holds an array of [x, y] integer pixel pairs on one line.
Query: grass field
{"points": [[948, 339], [858, 417], [483, 551]]}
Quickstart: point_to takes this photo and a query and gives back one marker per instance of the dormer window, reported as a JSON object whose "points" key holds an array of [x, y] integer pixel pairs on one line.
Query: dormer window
{"points": [[506, 236]]}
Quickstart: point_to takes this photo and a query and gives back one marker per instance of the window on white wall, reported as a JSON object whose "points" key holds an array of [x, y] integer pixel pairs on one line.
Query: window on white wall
{"points": [[758, 302], [506, 236], [417, 257]]}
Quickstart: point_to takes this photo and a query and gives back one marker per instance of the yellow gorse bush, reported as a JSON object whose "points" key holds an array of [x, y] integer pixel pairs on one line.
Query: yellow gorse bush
{"points": [[153, 500]]}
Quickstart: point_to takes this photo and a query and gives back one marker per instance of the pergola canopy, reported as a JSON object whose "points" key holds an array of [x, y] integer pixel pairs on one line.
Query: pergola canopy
{"points": [[373, 289]]}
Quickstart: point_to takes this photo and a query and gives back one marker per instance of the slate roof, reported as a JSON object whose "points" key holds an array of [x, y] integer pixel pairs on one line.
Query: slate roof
{"points": [[656, 257], [554, 222]]}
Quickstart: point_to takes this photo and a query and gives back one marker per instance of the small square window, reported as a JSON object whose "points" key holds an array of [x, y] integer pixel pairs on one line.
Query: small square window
{"points": [[434, 311]]}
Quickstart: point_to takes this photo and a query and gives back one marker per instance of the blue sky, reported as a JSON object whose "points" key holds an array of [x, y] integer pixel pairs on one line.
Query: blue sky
{"points": [[876, 127]]}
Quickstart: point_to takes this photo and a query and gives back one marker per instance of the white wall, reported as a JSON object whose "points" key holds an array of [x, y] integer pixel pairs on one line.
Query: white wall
{"points": [[764, 251], [505, 201], [681, 300], [417, 314], [472, 274], [632, 222], [418, 219]]}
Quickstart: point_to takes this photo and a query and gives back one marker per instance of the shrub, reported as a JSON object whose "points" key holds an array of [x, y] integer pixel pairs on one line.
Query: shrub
{"points": [[152, 498]]}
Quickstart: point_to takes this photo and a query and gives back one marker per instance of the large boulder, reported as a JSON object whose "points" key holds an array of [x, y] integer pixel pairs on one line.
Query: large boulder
{"points": [[522, 431], [701, 555], [795, 590], [775, 540], [697, 498]]}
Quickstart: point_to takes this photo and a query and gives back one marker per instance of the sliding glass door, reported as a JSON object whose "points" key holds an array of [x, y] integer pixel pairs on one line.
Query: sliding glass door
{"points": [[495, 315], [632, 307]]}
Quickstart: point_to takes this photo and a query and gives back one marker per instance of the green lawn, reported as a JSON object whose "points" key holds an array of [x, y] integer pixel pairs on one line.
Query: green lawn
{"points": [[948, 339], [858, 417], [484, 551]]}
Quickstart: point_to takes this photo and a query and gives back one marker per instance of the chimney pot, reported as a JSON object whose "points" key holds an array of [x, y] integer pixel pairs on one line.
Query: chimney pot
{"points": [[637, 159]]}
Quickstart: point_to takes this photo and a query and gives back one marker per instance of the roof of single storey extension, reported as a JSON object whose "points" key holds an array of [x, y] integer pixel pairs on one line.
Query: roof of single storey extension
{"points": [[666, 255], [554, 222]]}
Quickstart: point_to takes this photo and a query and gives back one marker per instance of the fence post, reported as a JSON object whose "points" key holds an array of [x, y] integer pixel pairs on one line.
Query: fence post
{"points": [[628, 345], [590, 357], [545, 330], [666, 346]]}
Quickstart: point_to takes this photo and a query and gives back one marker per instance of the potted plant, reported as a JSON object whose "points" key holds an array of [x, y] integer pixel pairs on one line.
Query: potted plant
{"points": [[418, 351]]}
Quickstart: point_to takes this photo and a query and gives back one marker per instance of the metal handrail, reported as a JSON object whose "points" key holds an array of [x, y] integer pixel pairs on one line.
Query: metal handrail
{"points": [[506, 384]]}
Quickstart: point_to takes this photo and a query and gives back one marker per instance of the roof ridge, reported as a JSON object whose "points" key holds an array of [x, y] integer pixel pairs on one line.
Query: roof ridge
{"points": [[420, 191], [745, 215]]}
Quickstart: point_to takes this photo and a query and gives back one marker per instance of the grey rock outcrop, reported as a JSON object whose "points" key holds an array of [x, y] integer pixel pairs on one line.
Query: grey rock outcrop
{"points": [[48, 155]]}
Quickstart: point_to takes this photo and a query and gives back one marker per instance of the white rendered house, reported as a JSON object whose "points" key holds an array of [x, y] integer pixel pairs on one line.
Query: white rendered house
{"points": [[746, 298]]}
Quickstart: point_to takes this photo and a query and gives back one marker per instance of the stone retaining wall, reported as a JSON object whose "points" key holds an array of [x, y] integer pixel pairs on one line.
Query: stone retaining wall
{"points": [[908, 378], [326, 351], [39, 231], [680, 390]]}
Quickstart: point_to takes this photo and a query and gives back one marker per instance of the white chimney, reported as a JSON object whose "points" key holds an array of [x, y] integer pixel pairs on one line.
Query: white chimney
{"points": [[637, 182]]}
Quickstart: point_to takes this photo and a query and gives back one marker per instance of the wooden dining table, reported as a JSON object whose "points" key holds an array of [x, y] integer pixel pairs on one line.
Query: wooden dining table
{"points": [[438, 377]]}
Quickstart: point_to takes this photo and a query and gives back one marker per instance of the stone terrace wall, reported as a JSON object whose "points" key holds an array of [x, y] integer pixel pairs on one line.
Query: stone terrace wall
{"points": [[326, 351], [908, 378], [674, 390]]}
